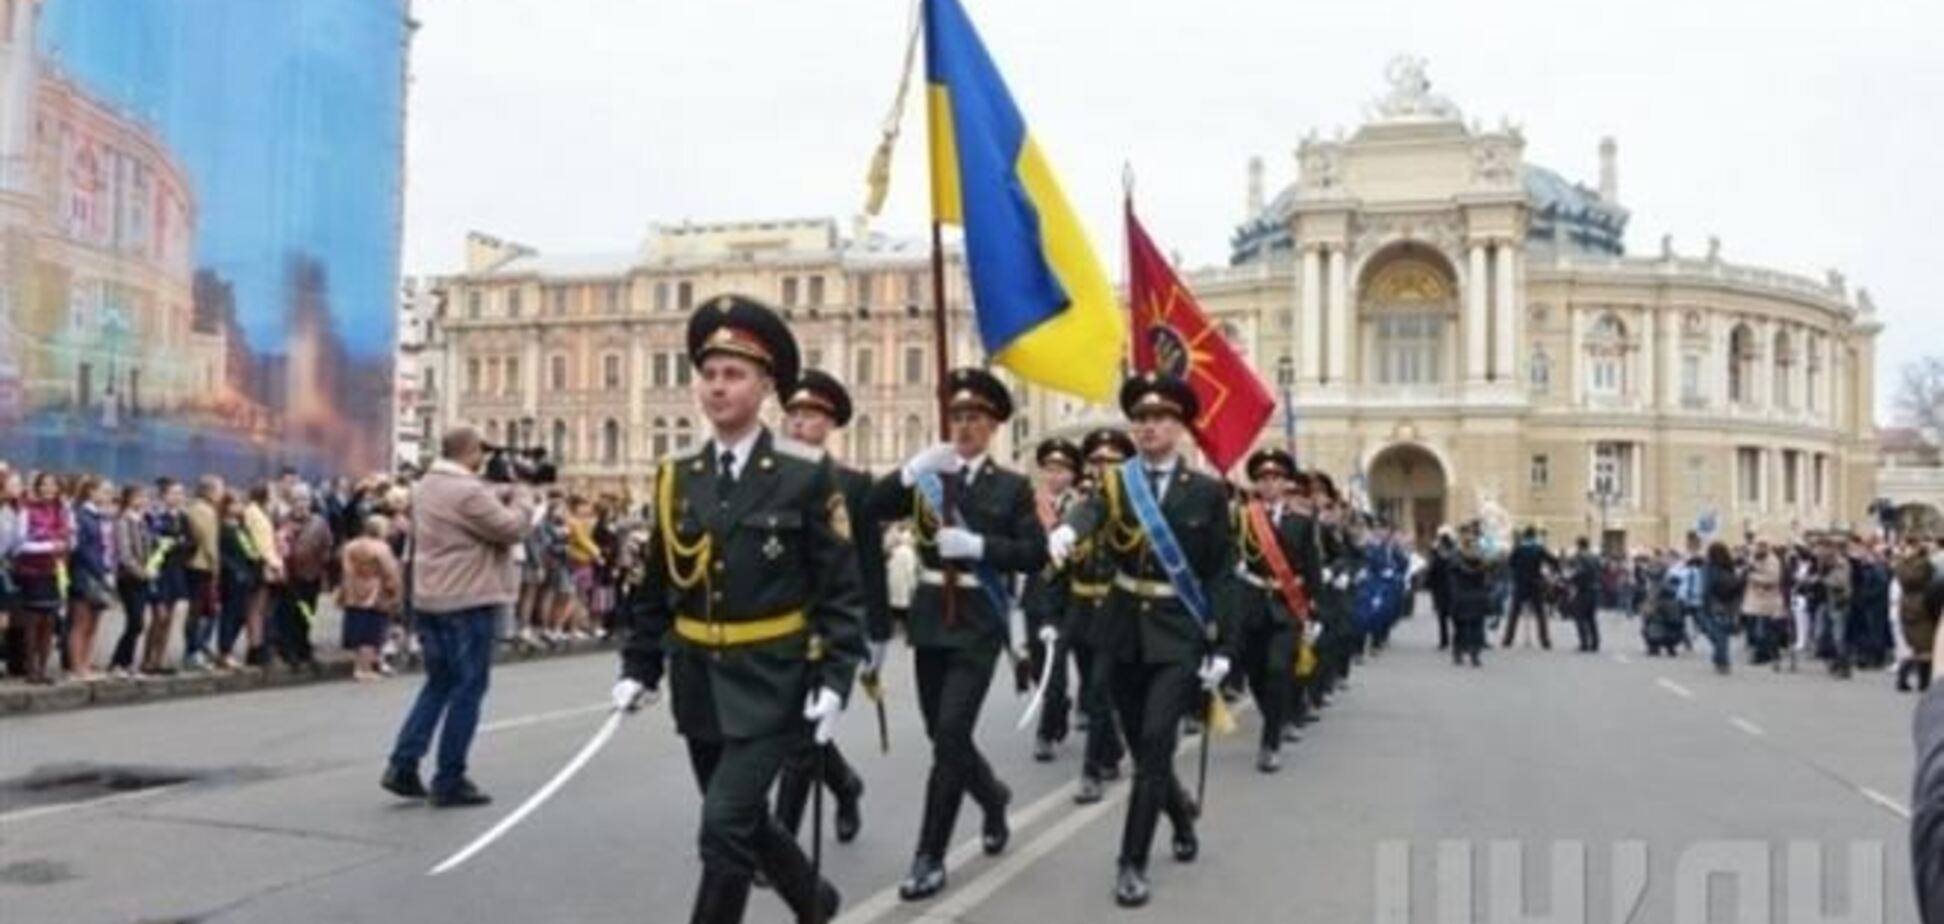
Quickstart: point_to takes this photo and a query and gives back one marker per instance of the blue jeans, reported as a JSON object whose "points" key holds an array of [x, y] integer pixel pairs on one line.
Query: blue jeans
{"points": [[458, 650], [1715, 625]]}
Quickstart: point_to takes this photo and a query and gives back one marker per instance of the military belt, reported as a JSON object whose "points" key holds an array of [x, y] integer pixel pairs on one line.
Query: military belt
{"points": [[713, 634], [1153, 590], [1089, 591]]}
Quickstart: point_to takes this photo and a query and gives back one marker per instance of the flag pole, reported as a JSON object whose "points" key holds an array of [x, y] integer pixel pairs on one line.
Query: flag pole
{"points": [[941, 330]]}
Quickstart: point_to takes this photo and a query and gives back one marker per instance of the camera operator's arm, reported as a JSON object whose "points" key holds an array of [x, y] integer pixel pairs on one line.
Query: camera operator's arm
{"points": [[497, 520], [646, 612]]}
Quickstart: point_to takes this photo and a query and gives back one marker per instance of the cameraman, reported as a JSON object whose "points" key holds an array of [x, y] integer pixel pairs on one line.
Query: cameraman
{"points": [[463, 532]]}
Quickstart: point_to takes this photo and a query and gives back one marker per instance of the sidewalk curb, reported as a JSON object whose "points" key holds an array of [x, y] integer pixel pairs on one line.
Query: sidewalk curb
{"points": [[17, 699]]}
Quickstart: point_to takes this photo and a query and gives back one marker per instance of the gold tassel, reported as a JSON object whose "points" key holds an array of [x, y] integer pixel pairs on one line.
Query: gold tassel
{"points": [[878, 178], [1220, 720]]}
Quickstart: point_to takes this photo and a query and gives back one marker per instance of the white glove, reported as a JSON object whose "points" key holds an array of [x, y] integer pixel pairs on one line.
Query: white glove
{"points": [[942, 459], [956, 543], [822, 708], [1213, 669], [1049, 636], [1342, 581], [1313, 630], [1059, 543], [878, 652], [630, 694]]}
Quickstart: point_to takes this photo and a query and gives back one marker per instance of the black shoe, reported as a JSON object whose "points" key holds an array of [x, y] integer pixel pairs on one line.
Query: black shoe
{"points": [[996, 834], [829, 900], [1721, 669], [1268, 761], [463, 795], [1130, 886], [721, 899], [1043, 750], [1289, 735], [1305, 720], [850, 817], [1111, 772], [403, 783], [1186, 845], [1474, 658], [926, 880], [1091, 790]]}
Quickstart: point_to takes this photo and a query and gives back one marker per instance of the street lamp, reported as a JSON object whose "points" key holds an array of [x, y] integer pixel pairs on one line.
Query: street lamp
{"points": [[1604, 497]]}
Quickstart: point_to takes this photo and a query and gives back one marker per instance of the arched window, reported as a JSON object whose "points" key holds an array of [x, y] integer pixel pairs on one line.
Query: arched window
{"points": [[1285, 371], [658, 434], [1741, 365], [863, 448], [1784, 370], [1811, 371], [558, 445], [914, 435], [610, 442], [1539, 370], [1236, 341], [1606, 357]]}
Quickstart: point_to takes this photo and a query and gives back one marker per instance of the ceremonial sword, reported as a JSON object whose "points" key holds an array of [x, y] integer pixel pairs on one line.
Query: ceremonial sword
{"points": [[539, 797]]}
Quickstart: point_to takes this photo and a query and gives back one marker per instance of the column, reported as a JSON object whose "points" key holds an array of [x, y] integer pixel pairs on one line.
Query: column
{"points": [[1339, 316], [635, 379], [1668, 336], [1575, 364], [1309, 317], [1645, 362], [530, 368], [1721, 362], [1508, 313], [1764, 385], [1474, 322]]}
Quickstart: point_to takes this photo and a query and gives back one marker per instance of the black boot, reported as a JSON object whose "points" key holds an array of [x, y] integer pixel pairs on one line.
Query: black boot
{"points": [[792, 792], [720, 899], [1923, 675], [1131, 886], [808, 896], [1182, 815], [927, 878], [850, 810], [996, 833], [1904, 670]]}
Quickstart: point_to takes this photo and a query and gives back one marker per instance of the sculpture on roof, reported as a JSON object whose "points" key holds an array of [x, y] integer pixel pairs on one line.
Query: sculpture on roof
{"points": [[1410, 94]]}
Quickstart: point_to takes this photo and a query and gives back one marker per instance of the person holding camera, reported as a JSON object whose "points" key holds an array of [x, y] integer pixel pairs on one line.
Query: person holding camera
{"points": [[462, 536]]}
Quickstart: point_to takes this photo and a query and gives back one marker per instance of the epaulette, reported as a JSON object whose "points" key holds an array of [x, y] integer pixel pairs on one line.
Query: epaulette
{"points": [[803, 451], [679, 456]]}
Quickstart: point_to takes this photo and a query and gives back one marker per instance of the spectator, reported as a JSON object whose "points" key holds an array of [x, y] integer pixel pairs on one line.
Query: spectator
{"points": [[1721, 584], [305, 566], [136, 561], [462, 574], [202, 566], [1915, 574], [368, 595], [13, 636], [169, 526], [1927, 790], [1836, 581], [1763, 605], [1529, 564], [91, 572], [265, 571], [46, 537], [583, 556], [238, 582]]}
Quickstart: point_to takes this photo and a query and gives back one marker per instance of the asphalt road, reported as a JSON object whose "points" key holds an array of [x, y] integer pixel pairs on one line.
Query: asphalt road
{"points": [[279, 817]]}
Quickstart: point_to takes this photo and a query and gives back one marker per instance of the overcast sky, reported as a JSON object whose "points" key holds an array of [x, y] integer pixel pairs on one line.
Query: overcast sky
{"points": [[1805, 135]]}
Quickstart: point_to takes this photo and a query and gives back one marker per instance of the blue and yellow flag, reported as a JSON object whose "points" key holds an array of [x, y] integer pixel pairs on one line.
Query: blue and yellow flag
{"points": [[1043, 304]]}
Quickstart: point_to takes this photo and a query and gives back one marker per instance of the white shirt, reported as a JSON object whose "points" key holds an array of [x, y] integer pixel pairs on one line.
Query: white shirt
{"points": [[741, 450], [971, 467], [1162, 474]]}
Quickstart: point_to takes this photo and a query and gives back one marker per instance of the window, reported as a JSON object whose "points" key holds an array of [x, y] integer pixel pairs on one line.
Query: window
{"points": [[659, 437], [472, 376], [1022, 430], [789, 291], [863, 446], [813, 358], [1784, 371], [1613, 470], [661, 370], [1791, 472], [1541, 471], [512, 303], [1697, 476], [1818, 479], [1812, 371], [1606, 351], [1409, 348], [493, 384], [513, 384], [431, 381], [914, 290], [1285, 371], [614, 298], [864, 362], [610, 442], [682, 434], [816, 291], [914, 366], [557, 301], [1748, 476], [684, 295], [661, 295], [557, 373], [864, 283], [914, 435], [1691, 380], [558, 445], [492, 431], [1539, 371], [472, 305], [682, 368], [1741, 365], [611, 372]]}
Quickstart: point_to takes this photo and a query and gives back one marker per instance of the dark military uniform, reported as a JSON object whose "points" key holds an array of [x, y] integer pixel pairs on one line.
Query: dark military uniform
{"points": [[749, 602], [956, 644], [1155, 643], [1586, 570], [820, 391], [1090, 572], [1268, 633], [1341, 559], [1044, 601]]}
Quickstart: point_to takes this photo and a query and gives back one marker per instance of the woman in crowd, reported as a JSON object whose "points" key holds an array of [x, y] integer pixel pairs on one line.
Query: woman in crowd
{"points": [[239, 580], [369, 595], [13, 637], [266, 569], [583, 556], [135, 567], [1721, 592], [169, 527], [91, 572], [46, 535], [1763, 605]]}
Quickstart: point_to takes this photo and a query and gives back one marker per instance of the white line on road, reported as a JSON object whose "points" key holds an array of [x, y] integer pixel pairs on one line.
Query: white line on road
{"points": [[1619, 658], [1674, 688], [1747, 726], [1893, 805], [540, 718], [46, 810]]}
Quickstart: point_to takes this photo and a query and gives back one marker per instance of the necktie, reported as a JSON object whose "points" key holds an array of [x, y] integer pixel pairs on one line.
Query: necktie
{"points": [[726, 474], [1156, 479]]}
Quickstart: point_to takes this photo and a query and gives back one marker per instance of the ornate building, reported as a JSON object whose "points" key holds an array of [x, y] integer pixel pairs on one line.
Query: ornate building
{"points": [[1459, 329]]}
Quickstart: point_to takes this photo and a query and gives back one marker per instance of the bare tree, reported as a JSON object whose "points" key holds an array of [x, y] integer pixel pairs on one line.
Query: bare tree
{"points": [[1920, 394]]}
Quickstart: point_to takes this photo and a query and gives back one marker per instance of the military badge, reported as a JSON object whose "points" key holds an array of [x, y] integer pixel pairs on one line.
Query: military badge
{"points": [[839, 517]]}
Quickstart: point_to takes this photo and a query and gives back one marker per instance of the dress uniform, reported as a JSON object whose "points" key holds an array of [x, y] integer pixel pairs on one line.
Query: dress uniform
{"points": [[1268, 632], [1159, 649], [1470, 577], [1090, 572], [989, 532], [819, 391], [1341, 560], [750, 604], [1045, 602]]}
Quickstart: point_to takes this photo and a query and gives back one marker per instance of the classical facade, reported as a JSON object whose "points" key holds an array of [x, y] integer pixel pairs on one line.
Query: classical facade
{"points": [[585, 354], [1460, 330]]}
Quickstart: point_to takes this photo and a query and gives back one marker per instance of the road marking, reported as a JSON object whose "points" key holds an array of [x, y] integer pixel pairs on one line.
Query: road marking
{"points": [[979, 887], [103, 802], [1747, 726], [540, 718], [1674, 688], [1619, 658], [1893, 805]]}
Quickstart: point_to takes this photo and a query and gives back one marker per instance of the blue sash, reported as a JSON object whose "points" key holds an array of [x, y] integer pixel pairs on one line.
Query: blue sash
{"points": [[1167, 549], [933, 492]]}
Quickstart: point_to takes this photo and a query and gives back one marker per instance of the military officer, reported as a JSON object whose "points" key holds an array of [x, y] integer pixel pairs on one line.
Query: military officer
{"points": [[818, 406], [1341, 559], [1090, 572], [1045, 597], [750, 605], [1168, 650], [977, 529], [1271, 593]]}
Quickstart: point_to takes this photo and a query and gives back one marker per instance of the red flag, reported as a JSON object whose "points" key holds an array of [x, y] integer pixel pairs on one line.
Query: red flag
{"points": [[1172, 335]]}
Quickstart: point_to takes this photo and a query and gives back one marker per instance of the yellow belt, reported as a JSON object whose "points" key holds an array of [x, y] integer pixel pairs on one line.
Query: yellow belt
{"points": [[1089, 591], [1156, 590], [730, 634]]}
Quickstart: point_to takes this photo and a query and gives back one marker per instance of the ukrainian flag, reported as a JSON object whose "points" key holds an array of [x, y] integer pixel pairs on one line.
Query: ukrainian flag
{"points": [[1043, 304]]}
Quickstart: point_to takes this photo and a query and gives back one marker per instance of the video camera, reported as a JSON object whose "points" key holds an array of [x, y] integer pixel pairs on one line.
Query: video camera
{"points": [[505, 465]]}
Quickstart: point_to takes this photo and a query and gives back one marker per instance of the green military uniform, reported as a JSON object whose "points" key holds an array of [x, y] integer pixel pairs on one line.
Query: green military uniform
{"points": [[1269, 636], [749, 603], [1044, 601], [956, 645], [1155, 643], [1341, 559], [1090, 574]]}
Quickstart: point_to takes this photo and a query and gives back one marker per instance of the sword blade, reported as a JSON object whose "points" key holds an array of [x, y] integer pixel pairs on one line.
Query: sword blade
{"points": [[539, 797], [1034, 705]]}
